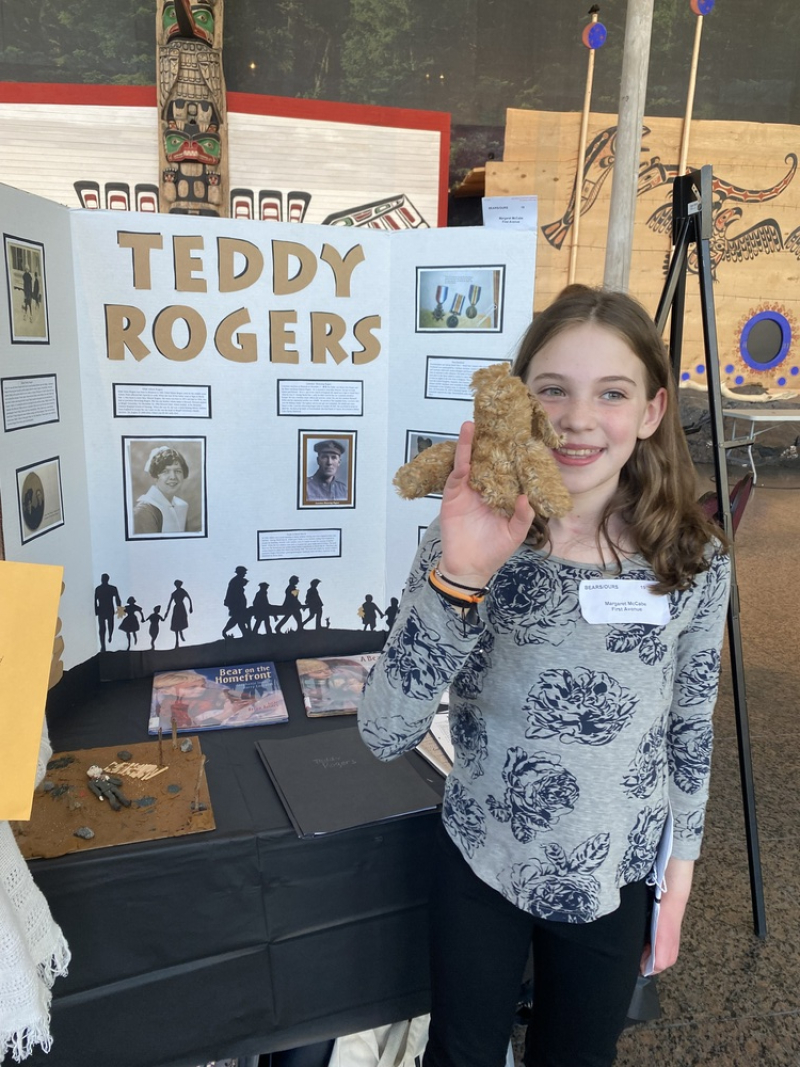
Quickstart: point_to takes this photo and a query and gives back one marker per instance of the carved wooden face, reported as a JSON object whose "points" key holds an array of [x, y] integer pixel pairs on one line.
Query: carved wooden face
{"points": [[184, 18]]}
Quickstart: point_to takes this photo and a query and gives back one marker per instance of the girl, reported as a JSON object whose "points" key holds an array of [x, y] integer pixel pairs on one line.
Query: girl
{"points": [[130, 623], [582, 656]]}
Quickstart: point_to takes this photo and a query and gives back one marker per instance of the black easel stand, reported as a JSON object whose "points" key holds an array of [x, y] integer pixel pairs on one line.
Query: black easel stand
{"points": [[691, 224]]}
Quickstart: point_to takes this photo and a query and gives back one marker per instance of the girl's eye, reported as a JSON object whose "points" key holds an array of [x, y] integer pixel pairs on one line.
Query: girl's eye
{"points": [[613, 394], [551, 390]]}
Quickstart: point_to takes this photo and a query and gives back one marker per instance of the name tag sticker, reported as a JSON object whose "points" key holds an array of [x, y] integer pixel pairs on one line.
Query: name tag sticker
{"points": [[617, 601]]}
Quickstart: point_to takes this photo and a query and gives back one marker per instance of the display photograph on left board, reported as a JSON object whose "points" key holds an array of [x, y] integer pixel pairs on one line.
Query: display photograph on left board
{"points": [[26, 287], [41, 506]]}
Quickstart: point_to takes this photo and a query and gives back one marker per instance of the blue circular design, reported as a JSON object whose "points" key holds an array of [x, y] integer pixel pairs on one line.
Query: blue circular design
{"points": [[729, 368], [594, 36], [781, 381], [700, 368], [685, 376], [740, 379], [702, 7], [795, 370], [786, 339]]}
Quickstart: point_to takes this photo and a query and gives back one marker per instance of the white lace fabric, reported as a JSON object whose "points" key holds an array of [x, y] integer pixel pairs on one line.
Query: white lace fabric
{"points": [[33, 951]]}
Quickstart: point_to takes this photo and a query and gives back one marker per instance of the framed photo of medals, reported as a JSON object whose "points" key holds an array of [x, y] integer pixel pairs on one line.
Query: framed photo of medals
{"points": [[463, 299]]}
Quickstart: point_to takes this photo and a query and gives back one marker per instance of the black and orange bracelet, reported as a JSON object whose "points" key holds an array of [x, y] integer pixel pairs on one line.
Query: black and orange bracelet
{"points": [[466, 604], [453, 592]]}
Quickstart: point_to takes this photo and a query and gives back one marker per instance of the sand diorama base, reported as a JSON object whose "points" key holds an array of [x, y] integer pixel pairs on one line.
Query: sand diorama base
{"points": [[167, 804]]}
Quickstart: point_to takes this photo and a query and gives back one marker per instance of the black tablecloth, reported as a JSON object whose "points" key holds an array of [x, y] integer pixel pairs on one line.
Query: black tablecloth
{"points": [[242, 940]]}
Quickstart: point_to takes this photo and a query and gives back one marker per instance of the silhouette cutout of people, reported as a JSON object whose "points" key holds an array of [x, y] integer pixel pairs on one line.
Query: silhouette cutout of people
{"points": [[314, 603], [391, 612], [236, 603], [370, 612], [291, 605], [130, 622], [180, 620], [154, 619], [260, 609], [106, 601]]}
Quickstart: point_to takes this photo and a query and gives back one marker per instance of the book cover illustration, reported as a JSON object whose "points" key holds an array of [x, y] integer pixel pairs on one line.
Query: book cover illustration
{"points": [[216, 698], [332, 685]]}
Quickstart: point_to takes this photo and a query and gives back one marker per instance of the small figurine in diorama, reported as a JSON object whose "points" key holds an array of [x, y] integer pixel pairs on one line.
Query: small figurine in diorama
{"points": [[180, 620], [314, 603], [130, 623], [154, 619], [107, 787], [261, 609], [369, 612]]}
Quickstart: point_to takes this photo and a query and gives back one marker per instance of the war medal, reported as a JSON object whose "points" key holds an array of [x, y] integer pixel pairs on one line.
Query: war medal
{"points": [[441, 296], [455, 310]]}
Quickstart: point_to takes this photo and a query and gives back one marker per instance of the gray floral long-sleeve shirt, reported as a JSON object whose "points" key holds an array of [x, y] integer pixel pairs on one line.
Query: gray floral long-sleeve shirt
{"points": [[572, 739]]}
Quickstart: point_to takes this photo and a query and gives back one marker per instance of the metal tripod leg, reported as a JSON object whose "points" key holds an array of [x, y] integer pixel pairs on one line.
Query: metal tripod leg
{"points": [[692, 223]]}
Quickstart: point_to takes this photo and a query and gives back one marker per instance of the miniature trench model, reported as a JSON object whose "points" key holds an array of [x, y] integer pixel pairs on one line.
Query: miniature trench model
{"points": [[94, 798], [510, 451]]}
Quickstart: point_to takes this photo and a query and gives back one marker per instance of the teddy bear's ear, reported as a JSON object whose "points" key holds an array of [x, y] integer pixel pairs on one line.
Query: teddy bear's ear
{"points": [[488, 375]]}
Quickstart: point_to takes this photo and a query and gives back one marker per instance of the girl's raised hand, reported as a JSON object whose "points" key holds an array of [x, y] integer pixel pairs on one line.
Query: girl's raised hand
{"points": [[476, 540]]}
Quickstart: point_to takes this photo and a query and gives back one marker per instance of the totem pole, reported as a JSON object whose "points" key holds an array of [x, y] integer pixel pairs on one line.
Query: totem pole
{"points": [[193, 143]]}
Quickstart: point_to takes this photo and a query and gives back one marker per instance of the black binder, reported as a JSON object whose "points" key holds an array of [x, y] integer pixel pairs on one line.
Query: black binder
{"points": [[331, 781]]}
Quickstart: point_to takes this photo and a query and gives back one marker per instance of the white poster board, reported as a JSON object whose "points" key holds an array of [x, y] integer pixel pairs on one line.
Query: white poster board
{"points": [[258, 354]]}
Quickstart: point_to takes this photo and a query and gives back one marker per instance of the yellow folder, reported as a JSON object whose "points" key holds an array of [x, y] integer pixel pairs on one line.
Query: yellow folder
{"points": [[29, 596]]}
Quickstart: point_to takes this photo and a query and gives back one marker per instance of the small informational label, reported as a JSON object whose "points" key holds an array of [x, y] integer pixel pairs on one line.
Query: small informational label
{"points": [[510, 212], [299, 544], [615, 601], [162, 401]]}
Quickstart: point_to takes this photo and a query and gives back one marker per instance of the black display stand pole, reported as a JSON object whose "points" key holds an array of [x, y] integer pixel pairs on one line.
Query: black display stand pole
{"points": [[691, 224]]}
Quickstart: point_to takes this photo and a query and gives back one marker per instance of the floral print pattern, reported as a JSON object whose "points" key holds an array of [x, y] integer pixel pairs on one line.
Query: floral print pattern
{"points": [[715, 594], [689, 749], [586, 706], [468, 683], [418, 660], [689, 827], [538, 792], [698, 680], [537, 604], [648, 769], [643, 841], [468, 733], [560, 886], [463, 817], [639, 638], [429, 554]]}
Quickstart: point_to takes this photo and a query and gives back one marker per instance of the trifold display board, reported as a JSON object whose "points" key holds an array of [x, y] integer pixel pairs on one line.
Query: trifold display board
{"points": [[201, 418]]}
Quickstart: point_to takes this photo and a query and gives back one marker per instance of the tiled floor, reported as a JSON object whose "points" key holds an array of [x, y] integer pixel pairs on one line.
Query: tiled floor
{"points": [[733, 1000]]}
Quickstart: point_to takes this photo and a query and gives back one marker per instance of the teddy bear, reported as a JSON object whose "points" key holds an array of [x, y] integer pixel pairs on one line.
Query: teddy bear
{"points": [[510, 450]]}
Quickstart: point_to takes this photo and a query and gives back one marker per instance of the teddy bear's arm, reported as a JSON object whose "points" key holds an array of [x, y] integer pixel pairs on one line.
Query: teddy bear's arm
{"points": [[427, 472], [541, 427]]}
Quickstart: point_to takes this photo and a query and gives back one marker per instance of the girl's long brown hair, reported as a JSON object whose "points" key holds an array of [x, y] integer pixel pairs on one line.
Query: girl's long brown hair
{"points": [[656, 495]]}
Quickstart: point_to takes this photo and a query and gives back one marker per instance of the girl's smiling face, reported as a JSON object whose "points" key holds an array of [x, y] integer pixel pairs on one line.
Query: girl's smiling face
{"points": [[593, 388]]}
